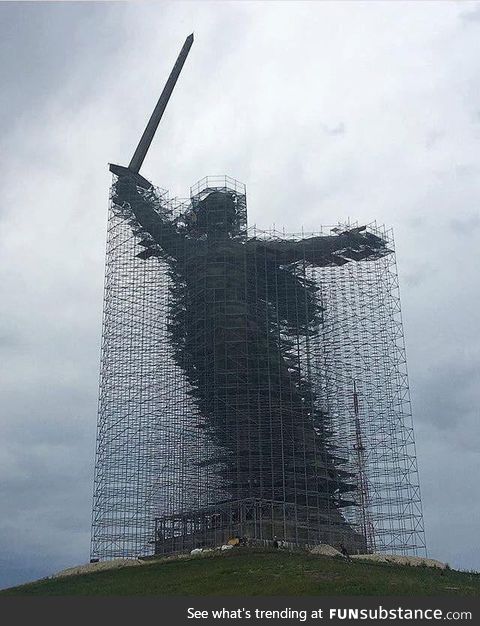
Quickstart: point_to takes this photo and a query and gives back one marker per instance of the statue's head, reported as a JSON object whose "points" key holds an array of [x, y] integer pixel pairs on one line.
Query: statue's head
{"points": [[216, 215]]}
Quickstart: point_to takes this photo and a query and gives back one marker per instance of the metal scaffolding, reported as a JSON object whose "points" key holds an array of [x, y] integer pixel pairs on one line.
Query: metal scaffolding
{"points": [[252, 383]]}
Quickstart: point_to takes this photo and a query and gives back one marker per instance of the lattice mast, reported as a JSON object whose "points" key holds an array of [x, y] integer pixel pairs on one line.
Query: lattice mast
{"points": [[364, 497]]}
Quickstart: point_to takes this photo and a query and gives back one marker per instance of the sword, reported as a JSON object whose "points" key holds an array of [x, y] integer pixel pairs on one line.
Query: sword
{"points": [[153, 122]]}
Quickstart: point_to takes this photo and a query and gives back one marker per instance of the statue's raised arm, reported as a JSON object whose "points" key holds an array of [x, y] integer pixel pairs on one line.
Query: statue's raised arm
{"points": [[133, 191], [154, 221]]}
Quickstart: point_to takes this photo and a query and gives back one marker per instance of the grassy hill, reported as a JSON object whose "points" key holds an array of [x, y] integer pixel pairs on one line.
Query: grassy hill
{"points": [[253, 572]]}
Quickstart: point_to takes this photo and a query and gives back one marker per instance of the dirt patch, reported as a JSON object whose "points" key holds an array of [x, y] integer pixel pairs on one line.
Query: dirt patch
{"points": [[101, 566]]}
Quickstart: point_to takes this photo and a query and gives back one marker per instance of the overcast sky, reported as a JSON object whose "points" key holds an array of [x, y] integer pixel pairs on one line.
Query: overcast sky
{"points": [[326, 111]]}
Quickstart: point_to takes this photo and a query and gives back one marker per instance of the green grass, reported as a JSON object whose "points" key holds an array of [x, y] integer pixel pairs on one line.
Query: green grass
{"points": [[260, 572]]}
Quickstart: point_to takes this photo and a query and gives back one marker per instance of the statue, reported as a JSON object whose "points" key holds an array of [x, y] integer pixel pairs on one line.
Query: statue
{"points": [[243, 312]]}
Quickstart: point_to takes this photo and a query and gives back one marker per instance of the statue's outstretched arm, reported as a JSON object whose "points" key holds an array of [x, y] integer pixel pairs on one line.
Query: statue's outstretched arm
{"points": [[356, 244]]}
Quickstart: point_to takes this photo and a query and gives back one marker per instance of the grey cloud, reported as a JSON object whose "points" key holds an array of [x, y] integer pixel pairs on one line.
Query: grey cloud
{"points": [[418, 277], [338, 129], [466, 225], [79, 83], [447, 395], [433, 138], [472, 15], [46, 44]]}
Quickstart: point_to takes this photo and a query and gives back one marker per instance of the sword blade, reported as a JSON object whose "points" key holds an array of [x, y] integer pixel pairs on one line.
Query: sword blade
{"points": [[153, 122]]}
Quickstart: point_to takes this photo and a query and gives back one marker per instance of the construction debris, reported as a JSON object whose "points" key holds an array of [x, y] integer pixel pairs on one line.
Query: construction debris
{"points": [[396, 559], [324, 549]]}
